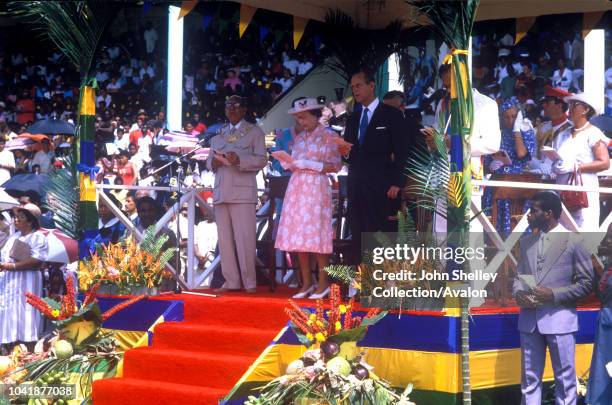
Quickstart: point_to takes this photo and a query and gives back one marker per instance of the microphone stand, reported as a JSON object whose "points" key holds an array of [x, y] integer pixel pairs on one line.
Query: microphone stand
{"points": [[179, 172]]}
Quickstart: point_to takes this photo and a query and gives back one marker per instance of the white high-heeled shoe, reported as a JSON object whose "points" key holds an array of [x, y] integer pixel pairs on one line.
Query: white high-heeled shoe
{"points": [[305, 294], [320, 295]]}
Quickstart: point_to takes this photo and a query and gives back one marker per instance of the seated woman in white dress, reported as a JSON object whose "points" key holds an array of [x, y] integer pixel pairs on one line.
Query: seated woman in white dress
{"points": [[20, 261], [306, 224], [584, 149]]}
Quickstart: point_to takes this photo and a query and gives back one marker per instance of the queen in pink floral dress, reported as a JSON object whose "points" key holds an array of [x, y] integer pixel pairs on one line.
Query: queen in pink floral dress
{"points": [[306, 223]]}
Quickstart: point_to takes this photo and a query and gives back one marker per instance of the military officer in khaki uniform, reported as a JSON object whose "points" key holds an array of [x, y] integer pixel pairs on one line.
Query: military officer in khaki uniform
{"points": [[237, 153]]}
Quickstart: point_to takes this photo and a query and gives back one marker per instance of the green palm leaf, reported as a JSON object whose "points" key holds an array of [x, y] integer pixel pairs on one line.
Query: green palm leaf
{"points": [[75, 27], [353, 47], [429, 175], [62, 198]]}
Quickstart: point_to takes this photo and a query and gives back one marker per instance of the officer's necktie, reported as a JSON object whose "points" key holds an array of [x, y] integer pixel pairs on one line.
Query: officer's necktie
{"points": [[363, 126]]}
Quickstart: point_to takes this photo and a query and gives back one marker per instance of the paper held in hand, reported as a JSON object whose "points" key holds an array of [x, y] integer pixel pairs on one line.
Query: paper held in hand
{"points": [[221, 158], [20, 251], [503, 157], [341, 142], [282, 157], [550, 153]]}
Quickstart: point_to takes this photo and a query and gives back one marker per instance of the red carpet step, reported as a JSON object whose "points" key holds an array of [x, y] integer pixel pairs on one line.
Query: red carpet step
{"points": [[199, 360]]}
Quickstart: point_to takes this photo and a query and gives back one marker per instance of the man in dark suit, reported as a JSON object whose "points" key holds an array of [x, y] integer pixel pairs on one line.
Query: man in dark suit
{"points": [[554, 272], [376, 161]]}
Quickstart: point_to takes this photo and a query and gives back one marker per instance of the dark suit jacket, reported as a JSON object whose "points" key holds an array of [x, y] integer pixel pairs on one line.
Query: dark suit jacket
{"points": [[371, 170]]}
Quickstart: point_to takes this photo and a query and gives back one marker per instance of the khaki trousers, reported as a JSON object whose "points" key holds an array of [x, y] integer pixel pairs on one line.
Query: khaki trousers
{"points": [[236, 230]]}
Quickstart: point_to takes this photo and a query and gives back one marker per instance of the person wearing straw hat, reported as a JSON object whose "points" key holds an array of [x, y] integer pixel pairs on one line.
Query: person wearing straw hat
{"points": [[20, 261], [306, 224], [583, 150]]}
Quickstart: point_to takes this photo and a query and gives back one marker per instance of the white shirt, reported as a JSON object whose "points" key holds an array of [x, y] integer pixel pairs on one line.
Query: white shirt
{"points": [[285, 83], [113, 86], [122, 143], [562, 81], [148, 71], [292, 65], [150, 37], [107, 100], [144, 148], [304, 67], [6, 159], [43, 160]]}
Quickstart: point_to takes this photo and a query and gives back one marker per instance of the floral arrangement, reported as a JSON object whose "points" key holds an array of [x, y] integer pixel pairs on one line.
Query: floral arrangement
{"points": [[331, 372], [128, 263], [337, 324], [75, 351]]}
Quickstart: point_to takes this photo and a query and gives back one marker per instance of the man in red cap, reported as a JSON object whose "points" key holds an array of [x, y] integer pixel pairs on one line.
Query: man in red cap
{"points": [[555, 110]]}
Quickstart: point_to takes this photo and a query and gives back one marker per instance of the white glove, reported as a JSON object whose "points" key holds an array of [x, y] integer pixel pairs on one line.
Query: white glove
{"points": [[495, 165], [521, 123], [560, 167], [308, 165]]}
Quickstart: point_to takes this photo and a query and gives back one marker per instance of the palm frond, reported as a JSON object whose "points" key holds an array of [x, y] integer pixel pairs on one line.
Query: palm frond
{"points": [[75, 27], [353, 47], [62, 198], [456, 196], [452, 21], [343, 273], [406, 229], [153, 244]]}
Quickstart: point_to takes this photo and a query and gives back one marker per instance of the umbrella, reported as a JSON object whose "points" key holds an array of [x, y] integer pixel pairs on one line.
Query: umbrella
{"points": [[51, 126], [604, 123], [34, 137], [20, 143], [62, 248], [26, 182], [6, 201]]}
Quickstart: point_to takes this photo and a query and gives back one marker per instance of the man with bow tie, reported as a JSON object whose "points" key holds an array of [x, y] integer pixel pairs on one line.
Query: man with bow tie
{"points": [[237, 153], [554, 272]]}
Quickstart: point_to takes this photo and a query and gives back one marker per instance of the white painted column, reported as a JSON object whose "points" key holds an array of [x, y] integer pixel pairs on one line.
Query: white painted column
{"points": [[594, 66], [174, 100], [393, 66]]}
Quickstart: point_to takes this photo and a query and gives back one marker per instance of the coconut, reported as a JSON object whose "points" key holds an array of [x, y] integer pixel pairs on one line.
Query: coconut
{"points": [[295, 367], [5, 364], [63, 349], [339, 365], [79, 331]]}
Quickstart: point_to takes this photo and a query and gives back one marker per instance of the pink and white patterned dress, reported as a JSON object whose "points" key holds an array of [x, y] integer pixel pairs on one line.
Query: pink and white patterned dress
{"points": [[306, 219]]}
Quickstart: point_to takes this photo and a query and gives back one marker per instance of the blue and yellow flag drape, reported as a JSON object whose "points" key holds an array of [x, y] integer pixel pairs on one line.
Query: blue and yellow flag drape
{"points": [[88, 212]]}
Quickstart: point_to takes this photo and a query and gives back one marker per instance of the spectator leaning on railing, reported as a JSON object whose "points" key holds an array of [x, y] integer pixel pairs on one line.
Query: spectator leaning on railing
{"points": [[583, 150]]}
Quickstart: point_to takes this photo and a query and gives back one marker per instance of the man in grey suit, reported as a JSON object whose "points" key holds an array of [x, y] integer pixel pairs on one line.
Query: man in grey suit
{"points": [[237, 153], [554, 272]]}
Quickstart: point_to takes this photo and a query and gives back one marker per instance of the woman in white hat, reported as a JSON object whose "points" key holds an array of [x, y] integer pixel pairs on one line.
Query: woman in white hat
{"points": [[20, 261], [583, 149], [306, 224]]}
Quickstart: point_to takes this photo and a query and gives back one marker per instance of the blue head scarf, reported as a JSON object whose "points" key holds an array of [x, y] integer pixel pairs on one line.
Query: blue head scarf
{"points": [[509, 103]]}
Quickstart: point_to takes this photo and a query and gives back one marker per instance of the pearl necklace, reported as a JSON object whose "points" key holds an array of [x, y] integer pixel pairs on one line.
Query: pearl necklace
{"points": [[582, 128]]}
